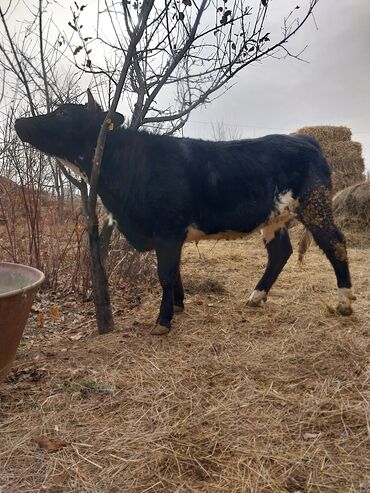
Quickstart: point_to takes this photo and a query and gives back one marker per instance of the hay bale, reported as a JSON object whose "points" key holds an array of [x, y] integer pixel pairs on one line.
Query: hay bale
{"points": [[351, 209], [344, 156], [346, 162], [327, 133]]}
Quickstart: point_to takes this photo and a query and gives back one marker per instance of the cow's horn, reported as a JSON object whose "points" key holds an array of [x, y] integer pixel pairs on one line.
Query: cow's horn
{"points": [[92, 105]]}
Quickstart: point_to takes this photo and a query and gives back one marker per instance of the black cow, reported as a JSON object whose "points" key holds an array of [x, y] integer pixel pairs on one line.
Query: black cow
{"points": [[163, 191]]}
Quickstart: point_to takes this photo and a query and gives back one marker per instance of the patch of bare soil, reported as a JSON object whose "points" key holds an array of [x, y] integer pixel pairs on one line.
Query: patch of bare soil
{"points": [[233, 400]]}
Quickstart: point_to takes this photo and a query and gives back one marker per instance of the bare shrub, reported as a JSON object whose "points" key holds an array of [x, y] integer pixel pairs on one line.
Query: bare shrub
{"points": [[124, 262]]}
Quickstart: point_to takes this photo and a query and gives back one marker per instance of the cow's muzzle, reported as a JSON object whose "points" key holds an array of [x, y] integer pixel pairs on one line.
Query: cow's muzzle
{"points": [[22, 127]]}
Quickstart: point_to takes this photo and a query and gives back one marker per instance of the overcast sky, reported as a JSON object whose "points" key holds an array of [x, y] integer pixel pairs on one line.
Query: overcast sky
{"points": [[281, 96]]}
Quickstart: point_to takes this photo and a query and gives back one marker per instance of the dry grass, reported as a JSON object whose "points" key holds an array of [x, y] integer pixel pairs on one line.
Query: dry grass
{"points": [[234, 400]]}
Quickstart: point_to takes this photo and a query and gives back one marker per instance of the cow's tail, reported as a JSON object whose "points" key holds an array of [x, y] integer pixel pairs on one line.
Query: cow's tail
{"points": [[304, 243]]}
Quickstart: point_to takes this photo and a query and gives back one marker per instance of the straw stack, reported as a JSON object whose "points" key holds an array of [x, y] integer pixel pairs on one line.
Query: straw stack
{"points": [[343, 155], [351, 208]]}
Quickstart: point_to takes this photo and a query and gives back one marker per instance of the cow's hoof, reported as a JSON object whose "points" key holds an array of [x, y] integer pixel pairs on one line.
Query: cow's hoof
{"points": [[178, 308], [254, 304], [345, 310], [160, 330], [256, 298]]}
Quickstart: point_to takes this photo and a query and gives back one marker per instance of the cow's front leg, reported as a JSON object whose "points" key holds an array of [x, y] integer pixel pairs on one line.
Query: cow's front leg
{"points": [[168, 258]]}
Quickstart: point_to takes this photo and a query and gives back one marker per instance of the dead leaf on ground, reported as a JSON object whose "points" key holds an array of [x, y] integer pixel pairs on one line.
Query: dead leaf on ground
{"points": [[40, 319], [54, 312], [49, 444]]}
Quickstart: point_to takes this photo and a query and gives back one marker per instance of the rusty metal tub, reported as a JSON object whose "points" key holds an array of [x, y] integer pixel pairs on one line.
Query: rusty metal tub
{"points": [[18, 286]]}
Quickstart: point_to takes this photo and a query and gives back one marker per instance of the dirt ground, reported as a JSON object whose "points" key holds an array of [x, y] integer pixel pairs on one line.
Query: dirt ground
{"points": [[233, 400]]}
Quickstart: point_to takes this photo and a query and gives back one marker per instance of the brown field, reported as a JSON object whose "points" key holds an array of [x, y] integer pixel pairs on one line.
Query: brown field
{"points": [[233, 400]]}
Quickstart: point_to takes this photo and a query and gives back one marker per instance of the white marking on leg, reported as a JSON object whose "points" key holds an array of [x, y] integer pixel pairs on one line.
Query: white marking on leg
{"points": [[345, 298], [257, 297], [344, 295]]}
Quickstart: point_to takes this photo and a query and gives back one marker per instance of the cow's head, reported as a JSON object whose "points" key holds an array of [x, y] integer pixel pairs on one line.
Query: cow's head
{"points": [[69, 133]]}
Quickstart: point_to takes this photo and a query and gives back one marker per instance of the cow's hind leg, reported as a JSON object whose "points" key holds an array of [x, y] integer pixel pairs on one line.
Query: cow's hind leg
{"points": [[315, 212], [279, 249], [168, 258]]}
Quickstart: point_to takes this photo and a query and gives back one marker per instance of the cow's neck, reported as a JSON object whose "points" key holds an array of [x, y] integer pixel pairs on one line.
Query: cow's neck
{"points": [[79, 161]]}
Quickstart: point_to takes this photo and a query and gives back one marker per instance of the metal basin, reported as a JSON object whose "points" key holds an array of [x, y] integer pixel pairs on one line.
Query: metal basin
{"points": [[18, 286]]}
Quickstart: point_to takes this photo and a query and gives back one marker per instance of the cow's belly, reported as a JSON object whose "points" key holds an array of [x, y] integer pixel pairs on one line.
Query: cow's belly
{"points": [[268, 230], [267, 219], [195, 234]]}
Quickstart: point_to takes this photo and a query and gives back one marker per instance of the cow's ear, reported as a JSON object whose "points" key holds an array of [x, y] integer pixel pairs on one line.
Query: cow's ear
{"points": [[118, 120], [92, 105]]}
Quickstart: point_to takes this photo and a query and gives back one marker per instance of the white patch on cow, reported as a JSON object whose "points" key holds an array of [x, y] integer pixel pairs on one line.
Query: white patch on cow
{"points": [[195, 234], [284, 203], [110, 219], [74, 168], [275, 224], [257, 297], [283, 212], [81, 158]]}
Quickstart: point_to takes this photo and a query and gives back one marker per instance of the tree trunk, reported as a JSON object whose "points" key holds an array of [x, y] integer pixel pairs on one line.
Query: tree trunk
{"points": [[103, 308], [61, 199]]}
